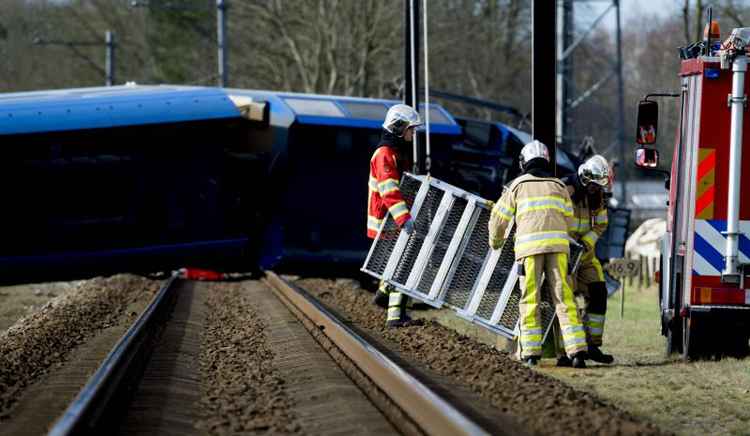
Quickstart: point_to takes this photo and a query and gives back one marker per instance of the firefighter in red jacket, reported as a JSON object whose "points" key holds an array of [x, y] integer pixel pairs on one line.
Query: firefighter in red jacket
{"points": [[384, 195]]}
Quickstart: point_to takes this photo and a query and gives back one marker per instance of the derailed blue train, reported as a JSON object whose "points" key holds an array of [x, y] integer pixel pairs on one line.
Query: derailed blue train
{"points": [[148, 178]]}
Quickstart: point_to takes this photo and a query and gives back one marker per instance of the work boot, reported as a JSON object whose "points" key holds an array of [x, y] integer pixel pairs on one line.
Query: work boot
{"points": [[579, 360], [564, 362], [596, 355], [531, 361], [404, 321], [380, 299]]}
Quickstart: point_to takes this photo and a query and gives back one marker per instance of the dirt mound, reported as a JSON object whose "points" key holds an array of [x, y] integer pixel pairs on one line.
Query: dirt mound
{"points": [[540, 403], [17, 301], [43, 339]]}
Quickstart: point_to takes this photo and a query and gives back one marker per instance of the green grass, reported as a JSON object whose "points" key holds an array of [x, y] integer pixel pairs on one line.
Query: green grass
{"points": [[686, 398]]}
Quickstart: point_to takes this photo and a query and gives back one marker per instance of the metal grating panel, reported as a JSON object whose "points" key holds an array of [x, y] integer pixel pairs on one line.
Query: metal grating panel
{"points": [[510, 315], [495, 286], [409, 187], [470, 261], [383, 246], [422, 225], [447, 260], [441, 246]]}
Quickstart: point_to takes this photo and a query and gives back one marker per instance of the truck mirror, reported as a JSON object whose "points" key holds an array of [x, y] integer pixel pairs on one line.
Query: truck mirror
{"points": [[648, 120], [647, 158]]}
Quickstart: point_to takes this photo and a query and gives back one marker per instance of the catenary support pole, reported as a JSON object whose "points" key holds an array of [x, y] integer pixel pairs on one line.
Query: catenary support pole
{"points": [[407, 95], [543, 74], [620, 107], [221, 42], [564, 67], [428, 149], [413, 19], [109, 59]]}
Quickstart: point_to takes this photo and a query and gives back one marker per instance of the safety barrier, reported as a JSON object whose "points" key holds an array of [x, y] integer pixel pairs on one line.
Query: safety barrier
{"points": [[447, 261]]}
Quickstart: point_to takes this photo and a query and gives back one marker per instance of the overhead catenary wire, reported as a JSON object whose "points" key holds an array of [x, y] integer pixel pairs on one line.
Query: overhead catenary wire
{"points": [[413, 90], [428, 159]]}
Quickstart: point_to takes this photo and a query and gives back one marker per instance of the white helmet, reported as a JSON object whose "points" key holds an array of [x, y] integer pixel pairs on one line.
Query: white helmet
{"points": [[399, 118], [533, 150], [594, 170]]}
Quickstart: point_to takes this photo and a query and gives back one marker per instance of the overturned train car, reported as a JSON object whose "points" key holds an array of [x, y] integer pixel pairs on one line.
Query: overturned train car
{"points": [[149, 178]]}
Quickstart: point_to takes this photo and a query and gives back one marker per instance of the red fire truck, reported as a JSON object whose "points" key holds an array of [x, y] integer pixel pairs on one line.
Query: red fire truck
{"points": [[704, 287]]}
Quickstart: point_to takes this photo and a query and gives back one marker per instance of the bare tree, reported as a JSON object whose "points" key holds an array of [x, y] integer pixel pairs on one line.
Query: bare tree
{"points": [[319, 46], [736, 13]]}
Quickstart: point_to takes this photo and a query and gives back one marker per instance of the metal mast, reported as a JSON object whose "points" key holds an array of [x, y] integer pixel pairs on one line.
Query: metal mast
{"points": [[568, 99], [564, 65], [543, 78], [109, 59], [411, 66], [221, 42]]}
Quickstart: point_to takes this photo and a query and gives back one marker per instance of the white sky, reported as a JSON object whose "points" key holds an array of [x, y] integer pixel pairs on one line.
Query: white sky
{"points": [[588, 11], [629, 8]]}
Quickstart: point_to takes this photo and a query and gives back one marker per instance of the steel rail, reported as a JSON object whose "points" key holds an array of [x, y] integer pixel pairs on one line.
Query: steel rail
{"points": [[433, 414], [93, 405]]}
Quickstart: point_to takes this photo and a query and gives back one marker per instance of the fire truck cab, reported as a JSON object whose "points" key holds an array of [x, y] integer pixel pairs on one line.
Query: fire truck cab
{"points": [[704, 289]]}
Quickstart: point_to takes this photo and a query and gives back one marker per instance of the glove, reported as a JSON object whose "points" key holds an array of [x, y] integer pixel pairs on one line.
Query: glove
{"points": [[408, 226], [497, 244], [583, 244]]}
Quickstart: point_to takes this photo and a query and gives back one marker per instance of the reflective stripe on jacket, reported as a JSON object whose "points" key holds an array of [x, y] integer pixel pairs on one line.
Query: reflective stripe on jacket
{"points": [[383, 194], [543, 214], [588, 225]]}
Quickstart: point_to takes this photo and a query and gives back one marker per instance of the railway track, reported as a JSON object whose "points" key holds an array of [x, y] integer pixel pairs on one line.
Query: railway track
{"points": [[150, 381], [430, 412]]}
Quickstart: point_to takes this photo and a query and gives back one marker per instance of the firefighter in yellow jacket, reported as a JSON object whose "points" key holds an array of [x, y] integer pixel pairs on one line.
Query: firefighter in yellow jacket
{"points": [[590, 222], [542, 210]]}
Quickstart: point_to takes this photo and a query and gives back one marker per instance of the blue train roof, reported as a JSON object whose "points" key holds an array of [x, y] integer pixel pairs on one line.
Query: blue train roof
{"points": [[129, 105], [331, 110], [90, 108]]}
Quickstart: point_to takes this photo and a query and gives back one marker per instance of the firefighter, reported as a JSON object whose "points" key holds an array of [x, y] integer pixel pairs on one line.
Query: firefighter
{"points": [[384, 196], [590, 222], [542, 210]]}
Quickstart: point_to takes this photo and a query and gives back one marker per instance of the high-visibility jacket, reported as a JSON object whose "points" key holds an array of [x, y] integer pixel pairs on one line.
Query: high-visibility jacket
{"points": [[589, 223], [384, 195], [543, 215]]}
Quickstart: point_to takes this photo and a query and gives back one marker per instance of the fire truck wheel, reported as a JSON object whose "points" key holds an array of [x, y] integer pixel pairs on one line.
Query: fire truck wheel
{"points": [[694, 345], [739, 347], [674, 337]]}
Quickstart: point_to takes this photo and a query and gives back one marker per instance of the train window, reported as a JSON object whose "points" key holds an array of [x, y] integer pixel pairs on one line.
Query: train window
{"points": [[368, 111], [436, 116], [478, 133], [314, 107]]}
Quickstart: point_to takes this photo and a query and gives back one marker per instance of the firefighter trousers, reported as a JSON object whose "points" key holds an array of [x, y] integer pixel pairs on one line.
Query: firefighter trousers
{"points": [[590, 284], [396, 302], [553, 268]]}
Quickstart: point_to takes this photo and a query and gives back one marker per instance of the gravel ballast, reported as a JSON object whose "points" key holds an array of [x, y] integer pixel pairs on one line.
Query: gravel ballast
{"points": [[18, 301], [45, 340], [242, 390]]}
